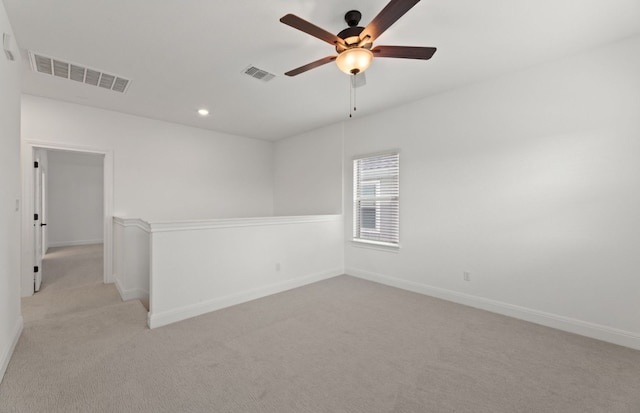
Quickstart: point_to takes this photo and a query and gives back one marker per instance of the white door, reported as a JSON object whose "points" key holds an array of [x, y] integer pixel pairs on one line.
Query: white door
{"points": [[37, 227]]}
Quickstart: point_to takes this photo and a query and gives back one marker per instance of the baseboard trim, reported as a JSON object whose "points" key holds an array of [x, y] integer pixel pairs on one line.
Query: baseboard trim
{"points": [[75, 243], [8, 350], [571, 325], [167, 317], [127, 295]]}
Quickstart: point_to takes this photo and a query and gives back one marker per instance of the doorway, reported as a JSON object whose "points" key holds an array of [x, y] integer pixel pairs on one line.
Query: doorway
{"points": [[69, 203], [40, 196]]}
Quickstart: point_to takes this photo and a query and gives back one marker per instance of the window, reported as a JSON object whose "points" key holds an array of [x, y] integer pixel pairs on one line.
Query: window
{"points": [[376, 199]]}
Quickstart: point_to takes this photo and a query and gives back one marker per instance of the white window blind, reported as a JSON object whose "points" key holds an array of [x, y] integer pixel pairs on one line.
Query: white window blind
{"points": [[376, 199]]}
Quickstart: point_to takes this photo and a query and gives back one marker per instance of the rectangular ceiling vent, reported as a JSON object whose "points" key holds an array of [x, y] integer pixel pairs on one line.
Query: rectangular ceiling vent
{"points": [[66, 70], [259, 74]]}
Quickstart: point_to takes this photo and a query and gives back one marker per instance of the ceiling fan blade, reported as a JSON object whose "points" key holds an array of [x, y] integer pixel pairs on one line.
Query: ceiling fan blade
{"points": [[311, 65], [387, 16], [310, 28], [404, 52]]}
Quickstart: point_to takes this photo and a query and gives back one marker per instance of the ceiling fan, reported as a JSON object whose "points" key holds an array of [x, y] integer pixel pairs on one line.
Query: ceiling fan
{"points": [[354, 44]]}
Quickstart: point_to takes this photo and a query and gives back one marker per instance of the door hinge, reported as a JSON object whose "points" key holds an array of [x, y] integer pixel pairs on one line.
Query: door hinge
{"points": [[36, 269], [35, 164], [35, 217]]}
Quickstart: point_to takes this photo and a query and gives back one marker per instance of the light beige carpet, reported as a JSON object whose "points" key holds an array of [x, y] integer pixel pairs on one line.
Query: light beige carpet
{"points": [[341, 345], [71, 267], [71, 282]]}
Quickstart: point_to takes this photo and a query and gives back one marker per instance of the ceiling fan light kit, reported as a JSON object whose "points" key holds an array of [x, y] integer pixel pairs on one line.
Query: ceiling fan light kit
{"points": [[355, 60]]}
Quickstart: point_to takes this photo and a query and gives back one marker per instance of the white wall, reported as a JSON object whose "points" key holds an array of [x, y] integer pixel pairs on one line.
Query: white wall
{"points": [[531, 182], [308, 173], [155, 169], [162, 170], [10, 318], [198, 267], [132, 243], [74, 198]]}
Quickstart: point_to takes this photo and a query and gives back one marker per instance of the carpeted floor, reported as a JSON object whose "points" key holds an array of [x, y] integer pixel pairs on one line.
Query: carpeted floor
{"points": [[341, 345], [71, 282]]}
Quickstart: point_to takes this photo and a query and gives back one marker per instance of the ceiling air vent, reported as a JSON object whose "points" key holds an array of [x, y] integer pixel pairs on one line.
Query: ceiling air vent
{"points": [[59, 68], [258, 73]]}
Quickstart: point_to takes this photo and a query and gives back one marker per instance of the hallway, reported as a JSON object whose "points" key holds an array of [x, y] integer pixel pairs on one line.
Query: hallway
{"points": [[72, 282], [70, 325]]}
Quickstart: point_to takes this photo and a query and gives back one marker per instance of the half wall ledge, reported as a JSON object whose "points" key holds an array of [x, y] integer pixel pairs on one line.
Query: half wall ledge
{"points": [[198, 266]]}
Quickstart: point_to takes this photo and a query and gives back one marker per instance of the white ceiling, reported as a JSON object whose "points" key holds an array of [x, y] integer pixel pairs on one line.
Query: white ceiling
{"points": [[185, 54]]}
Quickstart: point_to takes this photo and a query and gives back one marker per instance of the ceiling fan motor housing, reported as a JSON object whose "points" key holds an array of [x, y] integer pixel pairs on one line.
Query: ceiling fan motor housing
{"points": [[351, 35]]}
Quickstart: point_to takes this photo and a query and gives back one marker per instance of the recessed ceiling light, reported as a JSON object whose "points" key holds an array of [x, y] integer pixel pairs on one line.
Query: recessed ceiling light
{"points": [[203, 112]]}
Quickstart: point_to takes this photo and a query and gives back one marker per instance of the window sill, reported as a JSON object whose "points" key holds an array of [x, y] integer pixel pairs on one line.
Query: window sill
{"points": [[380, 246]]}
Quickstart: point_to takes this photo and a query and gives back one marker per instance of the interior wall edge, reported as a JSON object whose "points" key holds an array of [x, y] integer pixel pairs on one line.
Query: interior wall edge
{"points": [[132, 294], [567, 324], [5, 356], [159, 319]]}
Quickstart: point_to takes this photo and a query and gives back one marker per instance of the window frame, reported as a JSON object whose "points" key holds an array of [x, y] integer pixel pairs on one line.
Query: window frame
{"points": [[358, 181]]}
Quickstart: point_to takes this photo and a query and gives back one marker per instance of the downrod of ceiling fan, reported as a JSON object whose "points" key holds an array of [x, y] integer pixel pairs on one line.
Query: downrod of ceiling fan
{"points": [[352, 17]]}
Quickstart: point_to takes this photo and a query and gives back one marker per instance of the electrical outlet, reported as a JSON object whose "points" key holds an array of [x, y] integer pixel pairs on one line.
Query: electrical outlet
{"points": [[466, 276]]}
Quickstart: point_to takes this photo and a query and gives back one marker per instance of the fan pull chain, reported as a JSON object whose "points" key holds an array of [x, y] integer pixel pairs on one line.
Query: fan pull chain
{"points": [[352, 94], [353, 85]]}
